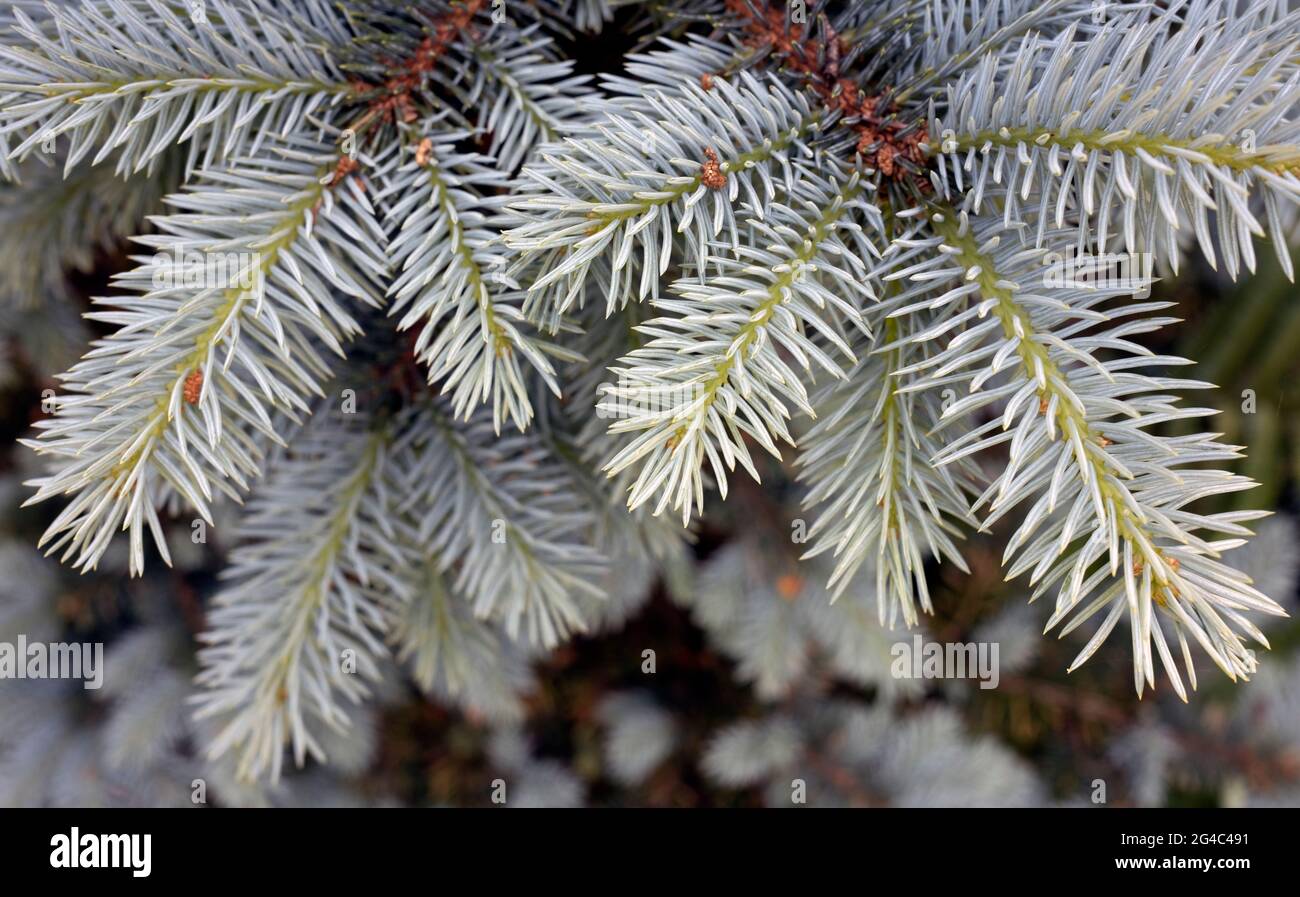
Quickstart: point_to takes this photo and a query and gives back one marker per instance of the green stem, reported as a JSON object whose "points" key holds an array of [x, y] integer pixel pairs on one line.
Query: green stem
{"points": [[1278, 160], [776, 296], [501, 342], [318, 565], [672, 194], [233, 302], [1018, 325]]}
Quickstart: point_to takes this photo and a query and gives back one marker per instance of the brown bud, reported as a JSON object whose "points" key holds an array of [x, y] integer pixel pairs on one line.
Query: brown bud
{"points": [[711, 173], [423, 151], [193, 387]]}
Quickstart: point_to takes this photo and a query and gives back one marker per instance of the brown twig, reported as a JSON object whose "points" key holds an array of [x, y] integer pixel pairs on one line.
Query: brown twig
{"points": [[885, 142], [392, 101]]}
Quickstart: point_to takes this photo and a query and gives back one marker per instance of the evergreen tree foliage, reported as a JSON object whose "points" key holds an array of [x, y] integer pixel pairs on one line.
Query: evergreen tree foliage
{"points": [[457, 349]]}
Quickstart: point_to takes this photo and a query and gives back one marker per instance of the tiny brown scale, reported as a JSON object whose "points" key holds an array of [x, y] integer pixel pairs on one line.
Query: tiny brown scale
{"points": [[423, 151], [193, 387], [711, 173]]}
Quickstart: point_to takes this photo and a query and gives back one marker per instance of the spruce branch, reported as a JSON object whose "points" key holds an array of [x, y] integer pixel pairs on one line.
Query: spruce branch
{"points": [[452, 280], [1155, 130], [408, 47], [498, 514], [528, 94], [714, 371], [618, 191], [885, 143], [129, 78], [1108, 497], [867, 461], [455, 656], [300, 628], [178, 397], [959, 34]]}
